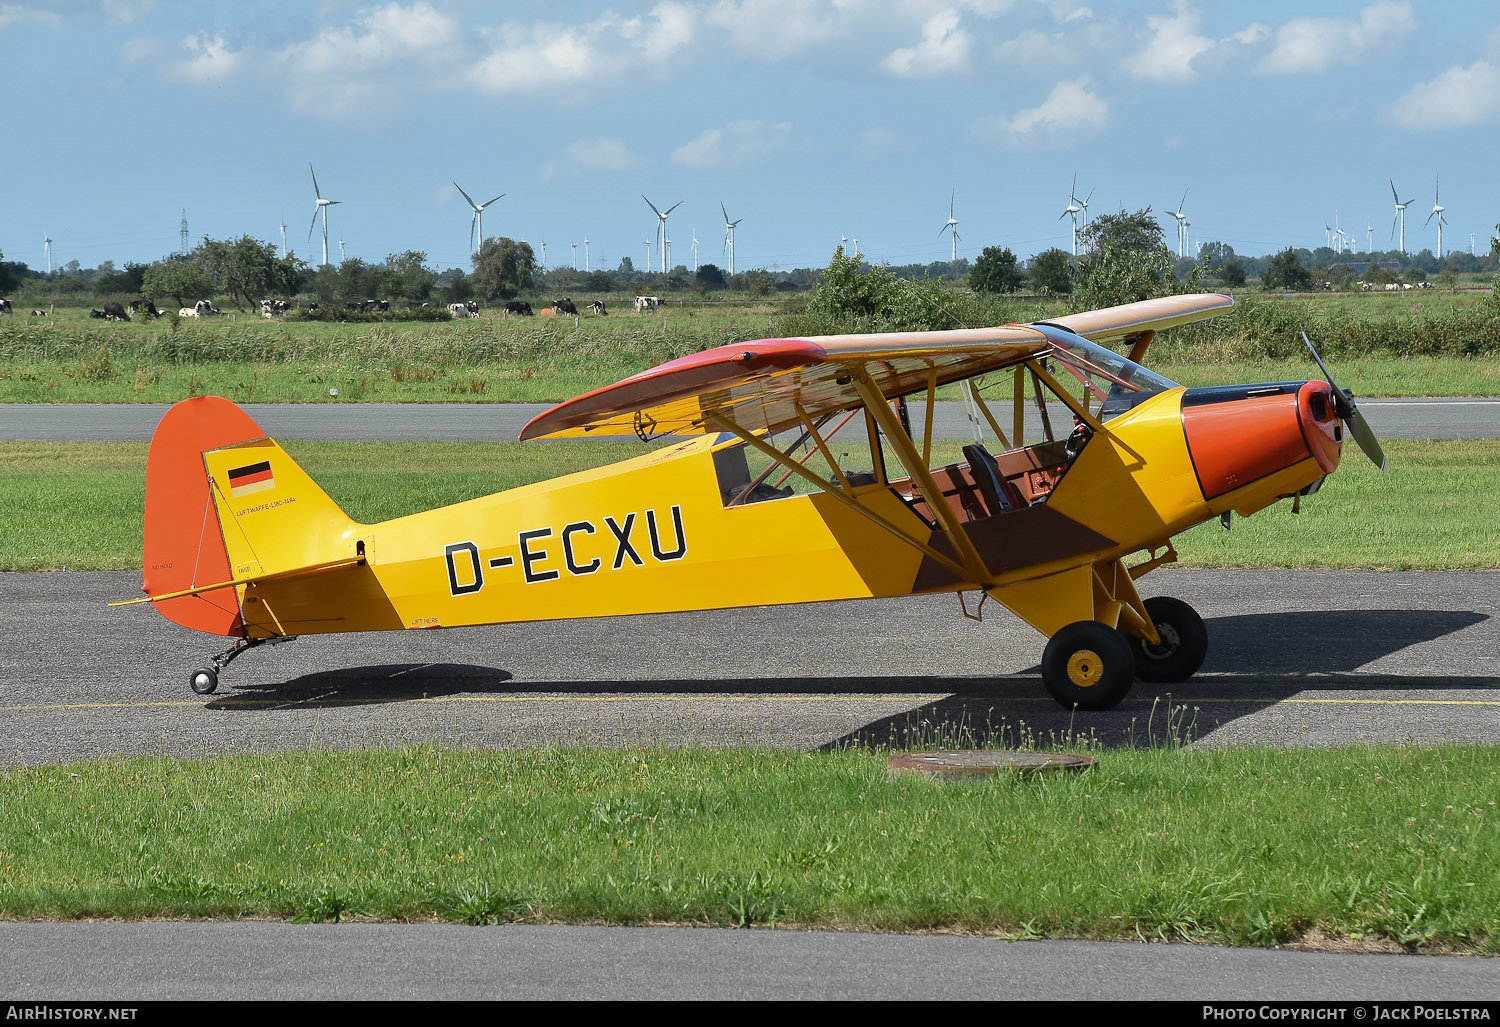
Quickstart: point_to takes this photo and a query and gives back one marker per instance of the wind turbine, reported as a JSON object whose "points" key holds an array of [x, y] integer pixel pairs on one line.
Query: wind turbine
{"points": [[575, 255], [648, 256], [695, 251], [1073, 208], [283, 238], [951, 224], [1400, 216], [47, 249], [1369, 237], [477, 220], [544, 256], [661, 229], [585, 254], [342, 258], [729, 236], [322, 205], [1437, 209], [1181, 220]]}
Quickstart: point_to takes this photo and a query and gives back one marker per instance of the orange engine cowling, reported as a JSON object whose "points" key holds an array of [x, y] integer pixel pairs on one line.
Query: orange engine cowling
{"points": [[1237, 434]]}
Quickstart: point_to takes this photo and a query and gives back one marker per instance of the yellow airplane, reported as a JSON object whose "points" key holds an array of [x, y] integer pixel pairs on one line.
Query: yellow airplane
{"points": [[1099, 461]]}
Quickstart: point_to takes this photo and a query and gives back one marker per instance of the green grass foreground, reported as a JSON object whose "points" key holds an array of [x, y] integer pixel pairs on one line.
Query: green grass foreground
{"points": [[78, 505], [1395, 845]]}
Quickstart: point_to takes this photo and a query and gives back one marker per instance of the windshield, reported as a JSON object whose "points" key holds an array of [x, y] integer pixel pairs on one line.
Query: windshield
{"points": [[1116, 382]]}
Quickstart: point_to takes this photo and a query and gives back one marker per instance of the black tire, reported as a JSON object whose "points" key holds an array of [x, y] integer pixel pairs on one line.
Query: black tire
{"points": [[1089, 666], [1184, 637], [204, 681]]}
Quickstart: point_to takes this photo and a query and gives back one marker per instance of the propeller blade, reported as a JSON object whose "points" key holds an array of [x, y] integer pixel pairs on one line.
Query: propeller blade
{"points": [[314, 223], [1360, 429], [1429, 220], [651, 205], [473, 222], [1393, 191], [1343, 405], [462, 193], [315, 182], [486, 203]]}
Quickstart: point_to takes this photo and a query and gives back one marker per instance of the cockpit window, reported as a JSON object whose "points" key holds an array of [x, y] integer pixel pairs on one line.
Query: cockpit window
{"points": [[1116, 382]]}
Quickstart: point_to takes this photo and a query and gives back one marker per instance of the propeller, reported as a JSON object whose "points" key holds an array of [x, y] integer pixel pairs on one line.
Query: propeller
{"points": [[1343, 405]]}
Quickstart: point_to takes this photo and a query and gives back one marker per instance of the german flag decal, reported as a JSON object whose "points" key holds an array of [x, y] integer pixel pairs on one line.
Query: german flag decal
{"points": [[251, 478]]}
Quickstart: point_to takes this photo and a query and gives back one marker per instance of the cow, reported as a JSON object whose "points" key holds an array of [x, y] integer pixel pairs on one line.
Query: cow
{"points": [[5, 306], [205, 308], [598, 307], [374, 306], [472, 307], [187, 311], [565, 306], [274, 308], [520, 307], [414, 305], [136, 306], [459, 310], [97, 313], [645, 303], [38, 313], [116, 310]]}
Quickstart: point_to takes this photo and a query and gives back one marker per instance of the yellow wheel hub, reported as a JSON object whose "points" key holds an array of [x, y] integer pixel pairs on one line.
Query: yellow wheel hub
{"points": [[1085, 668]]}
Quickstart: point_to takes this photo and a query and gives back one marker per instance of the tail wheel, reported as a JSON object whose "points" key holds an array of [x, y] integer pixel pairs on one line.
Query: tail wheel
{"points": [[204, 681], [1088, 665], [1184, 642]]}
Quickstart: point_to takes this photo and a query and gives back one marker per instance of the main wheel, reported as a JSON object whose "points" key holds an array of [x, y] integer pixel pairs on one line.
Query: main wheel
{"points": [[204, 681], [1184, 642], [1088, 665]]}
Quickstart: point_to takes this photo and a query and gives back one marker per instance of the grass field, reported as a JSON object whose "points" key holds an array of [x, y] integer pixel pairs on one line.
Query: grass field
{"points": [[1427, 344], [1391, 847], [78, 505]]}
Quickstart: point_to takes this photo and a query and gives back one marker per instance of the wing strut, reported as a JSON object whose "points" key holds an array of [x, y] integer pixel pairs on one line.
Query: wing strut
{"points": [[723, 423], [877, 406]]}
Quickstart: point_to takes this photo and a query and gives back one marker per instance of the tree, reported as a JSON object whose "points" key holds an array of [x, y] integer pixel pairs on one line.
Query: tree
{"points": [[1286, 272], [128, 280], [1051, 271], [1138, 232], [246, 270], [709, 277], [10, 274], [864, 299], [503, 269], [761, 283], [996, 270], [408, 276], [1232, 275], [177, 277], [1112, 276]]}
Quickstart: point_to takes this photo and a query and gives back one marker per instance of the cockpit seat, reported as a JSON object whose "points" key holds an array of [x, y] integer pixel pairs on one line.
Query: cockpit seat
{"points": [[999, 495]]}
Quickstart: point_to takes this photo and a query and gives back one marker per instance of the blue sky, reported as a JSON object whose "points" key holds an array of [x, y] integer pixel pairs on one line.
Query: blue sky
{"points": [[810, 120]]}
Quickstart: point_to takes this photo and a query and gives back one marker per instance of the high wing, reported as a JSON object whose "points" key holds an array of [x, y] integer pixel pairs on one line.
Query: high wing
{"points": [[1147, 315], [762, 384], [773, 383]]}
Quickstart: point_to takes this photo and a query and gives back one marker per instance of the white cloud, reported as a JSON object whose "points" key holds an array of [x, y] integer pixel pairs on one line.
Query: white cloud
{"points": [[944, 48], [1071, 112], [551, 56], [779, 29], [212, 60], [14, 14], [1306, 46], [735, 145], [1177, 53], [1458, 98], [585, 158], [381, 38]]}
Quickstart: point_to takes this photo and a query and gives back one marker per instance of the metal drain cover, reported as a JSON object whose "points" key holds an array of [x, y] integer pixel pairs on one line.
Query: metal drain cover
{"points": [[958, 763]]}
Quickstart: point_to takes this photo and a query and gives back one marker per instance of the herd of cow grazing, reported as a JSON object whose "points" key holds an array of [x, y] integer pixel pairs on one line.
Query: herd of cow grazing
{"points": [[271, 308]]}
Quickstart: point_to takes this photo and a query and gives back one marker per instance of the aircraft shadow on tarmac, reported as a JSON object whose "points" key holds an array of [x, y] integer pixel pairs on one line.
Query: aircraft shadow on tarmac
{"points": [[1254, 661], [1281, 654]]}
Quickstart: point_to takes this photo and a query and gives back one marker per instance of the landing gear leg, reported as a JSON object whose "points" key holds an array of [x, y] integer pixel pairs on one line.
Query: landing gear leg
{"points": [[205, 680], [1184, 642]]}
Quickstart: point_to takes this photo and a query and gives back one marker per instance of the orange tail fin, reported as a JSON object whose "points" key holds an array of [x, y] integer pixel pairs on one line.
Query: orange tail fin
{"points": [[184, 544]]}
